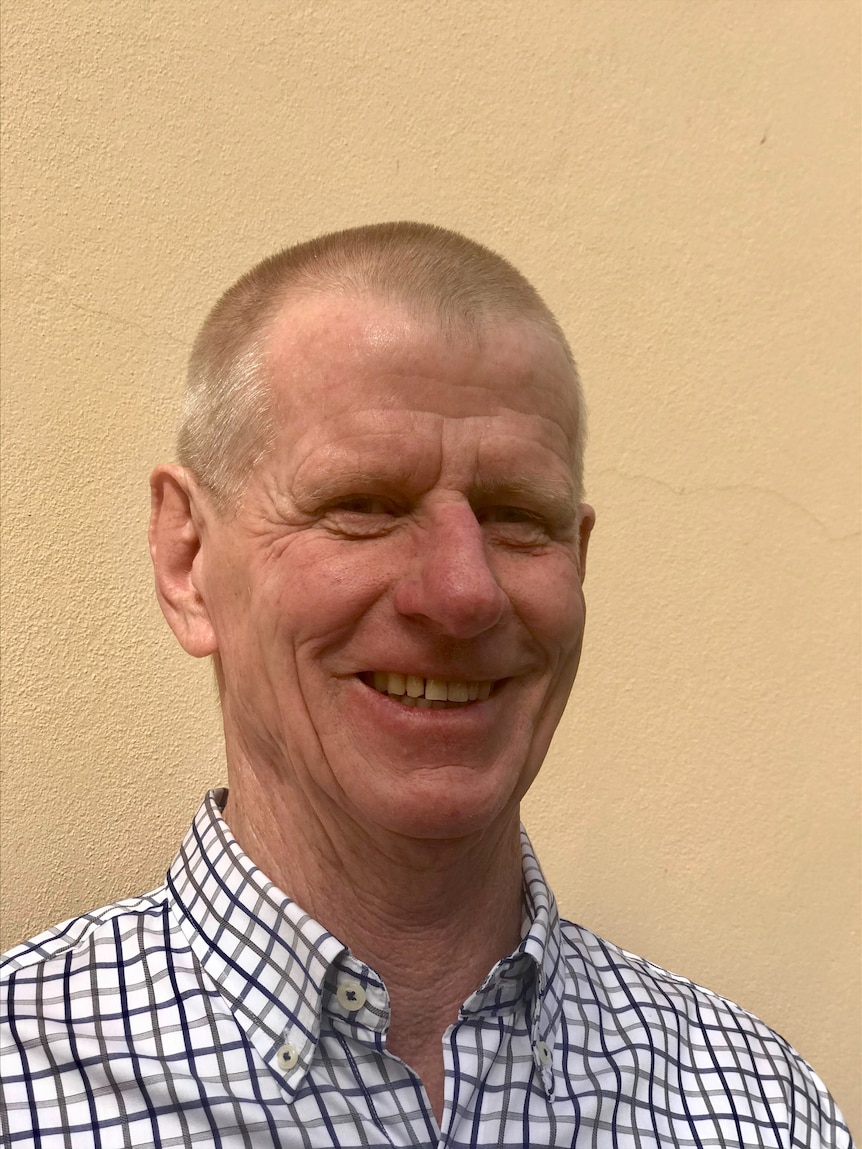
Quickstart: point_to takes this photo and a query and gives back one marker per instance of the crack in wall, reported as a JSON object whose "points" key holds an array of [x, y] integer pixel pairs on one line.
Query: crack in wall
{"points": [[687, 490]]}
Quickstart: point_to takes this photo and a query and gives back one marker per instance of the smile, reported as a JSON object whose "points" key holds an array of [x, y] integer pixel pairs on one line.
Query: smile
{"points": [[427, 693]]}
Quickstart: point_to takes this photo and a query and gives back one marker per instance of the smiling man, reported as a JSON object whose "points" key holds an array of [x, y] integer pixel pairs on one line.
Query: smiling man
{"points": [[376, 531]]}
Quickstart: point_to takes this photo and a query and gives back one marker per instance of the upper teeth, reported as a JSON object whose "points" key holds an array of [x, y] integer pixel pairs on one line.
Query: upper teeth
{"points": [[436, 689]]}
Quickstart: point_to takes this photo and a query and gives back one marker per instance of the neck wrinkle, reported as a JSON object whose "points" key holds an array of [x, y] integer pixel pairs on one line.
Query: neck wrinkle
{"points": [[421, 914]]}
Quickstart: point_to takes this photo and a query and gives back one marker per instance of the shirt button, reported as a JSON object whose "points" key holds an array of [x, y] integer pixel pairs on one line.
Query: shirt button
{"points": [[544, 1052], [351, 995], [287, 1057]]}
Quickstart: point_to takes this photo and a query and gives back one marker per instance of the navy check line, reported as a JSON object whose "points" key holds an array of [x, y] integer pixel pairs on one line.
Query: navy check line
{"points": [[156, 1022]]}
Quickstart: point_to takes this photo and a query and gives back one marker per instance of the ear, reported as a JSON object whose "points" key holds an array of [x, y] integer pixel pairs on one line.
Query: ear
{"points": [[175, 548], [586, 522]]}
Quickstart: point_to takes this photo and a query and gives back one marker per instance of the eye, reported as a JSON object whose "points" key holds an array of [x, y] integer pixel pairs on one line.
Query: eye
{"points": [[360, 516], [363, 505], [515, 526], [506, 515]]}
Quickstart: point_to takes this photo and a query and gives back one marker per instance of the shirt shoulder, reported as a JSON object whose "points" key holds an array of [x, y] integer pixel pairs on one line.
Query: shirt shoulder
{"points": [[620, 980], [58, 940], [613, 996]]}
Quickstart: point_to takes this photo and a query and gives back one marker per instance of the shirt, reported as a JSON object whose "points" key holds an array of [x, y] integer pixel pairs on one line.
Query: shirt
{"points": [[215, 1012]]}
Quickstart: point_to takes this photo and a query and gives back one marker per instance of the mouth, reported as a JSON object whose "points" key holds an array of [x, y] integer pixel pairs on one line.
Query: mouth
{"points": [[428, 693]]}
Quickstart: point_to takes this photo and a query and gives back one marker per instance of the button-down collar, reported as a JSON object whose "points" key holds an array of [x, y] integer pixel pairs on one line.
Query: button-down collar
{"points": [[279, 970]]}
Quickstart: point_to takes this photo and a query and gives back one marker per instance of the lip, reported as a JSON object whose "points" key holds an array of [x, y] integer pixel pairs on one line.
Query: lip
{"points": [[445, 675]]}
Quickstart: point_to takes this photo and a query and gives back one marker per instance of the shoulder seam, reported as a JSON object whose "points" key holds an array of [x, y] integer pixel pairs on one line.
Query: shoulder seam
{"points": [[63, 938]]}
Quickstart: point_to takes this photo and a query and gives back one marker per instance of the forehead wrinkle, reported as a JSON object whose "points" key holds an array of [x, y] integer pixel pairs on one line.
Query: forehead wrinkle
{"points": [[361, 461]]}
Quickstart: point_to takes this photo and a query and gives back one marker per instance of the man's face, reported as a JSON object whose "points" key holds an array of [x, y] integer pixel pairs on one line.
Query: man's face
{"points": [[413, 531]]}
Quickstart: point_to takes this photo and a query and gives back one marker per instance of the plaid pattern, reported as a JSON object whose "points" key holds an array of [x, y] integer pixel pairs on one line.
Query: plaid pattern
{"points": [[214, 1012]]}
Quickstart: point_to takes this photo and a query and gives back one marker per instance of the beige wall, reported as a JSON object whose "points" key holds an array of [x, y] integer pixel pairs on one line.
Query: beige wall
{"points": [[680, 179]]}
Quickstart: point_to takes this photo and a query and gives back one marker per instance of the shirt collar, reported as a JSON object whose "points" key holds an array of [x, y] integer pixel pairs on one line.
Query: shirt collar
{"points": [[532, 974], [267, 957], [276, 968]]}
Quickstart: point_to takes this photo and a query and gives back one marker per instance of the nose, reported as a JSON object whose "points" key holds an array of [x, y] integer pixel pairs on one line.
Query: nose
{"points": [[450, 582]]}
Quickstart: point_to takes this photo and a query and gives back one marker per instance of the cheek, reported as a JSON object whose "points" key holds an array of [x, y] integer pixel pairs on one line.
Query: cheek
{"points": [[326, 587], [546, 595]]}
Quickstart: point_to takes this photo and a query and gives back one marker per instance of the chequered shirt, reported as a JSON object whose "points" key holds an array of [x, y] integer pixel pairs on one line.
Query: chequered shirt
{"points": [[215, 1012]]}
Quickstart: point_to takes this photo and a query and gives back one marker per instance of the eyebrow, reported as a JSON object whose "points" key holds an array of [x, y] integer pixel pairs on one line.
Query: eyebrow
{"points": [[559, 495], [340, 472], [554, 495], [354, 480]]}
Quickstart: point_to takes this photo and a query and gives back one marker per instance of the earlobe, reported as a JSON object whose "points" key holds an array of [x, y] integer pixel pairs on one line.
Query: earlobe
{"points": [[175, 548], [586, 522]]}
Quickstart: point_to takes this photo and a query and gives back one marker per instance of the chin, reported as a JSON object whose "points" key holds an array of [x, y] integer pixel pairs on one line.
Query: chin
{"points": [[443, 810]]}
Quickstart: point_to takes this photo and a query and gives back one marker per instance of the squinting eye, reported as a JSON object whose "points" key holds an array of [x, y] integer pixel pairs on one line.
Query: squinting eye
{"points": [[360, 517], [364, 505], [506, 515]]}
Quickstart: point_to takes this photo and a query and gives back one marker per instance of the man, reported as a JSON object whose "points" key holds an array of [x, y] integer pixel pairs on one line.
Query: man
{"points": [[376, 531]]}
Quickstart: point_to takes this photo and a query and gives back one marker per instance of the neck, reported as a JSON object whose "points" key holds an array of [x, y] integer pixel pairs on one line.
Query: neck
{"points": [[430, 917], [374, 889]]}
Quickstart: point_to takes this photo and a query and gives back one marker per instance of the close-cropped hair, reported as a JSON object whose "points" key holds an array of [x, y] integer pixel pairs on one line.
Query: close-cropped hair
{"points": [[226, 421]]}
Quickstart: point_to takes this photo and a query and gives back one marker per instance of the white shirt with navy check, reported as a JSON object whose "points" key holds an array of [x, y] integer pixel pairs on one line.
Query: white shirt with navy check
{"points": [[215, 1012]]}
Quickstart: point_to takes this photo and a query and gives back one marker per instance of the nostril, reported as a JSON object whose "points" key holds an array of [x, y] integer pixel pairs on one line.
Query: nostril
{"points": [[461, 610]]}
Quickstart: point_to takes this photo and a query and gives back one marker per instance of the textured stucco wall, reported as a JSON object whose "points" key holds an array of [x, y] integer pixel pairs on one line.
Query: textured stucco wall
{"points": [[680, 179]]}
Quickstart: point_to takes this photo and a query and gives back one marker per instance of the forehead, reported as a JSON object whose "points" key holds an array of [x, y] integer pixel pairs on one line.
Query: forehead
{"points": [[333, 362]]}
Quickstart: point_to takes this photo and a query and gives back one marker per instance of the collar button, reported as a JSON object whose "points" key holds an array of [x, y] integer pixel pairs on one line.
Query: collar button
{"points": [[351, 995], [287, 1057]]}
